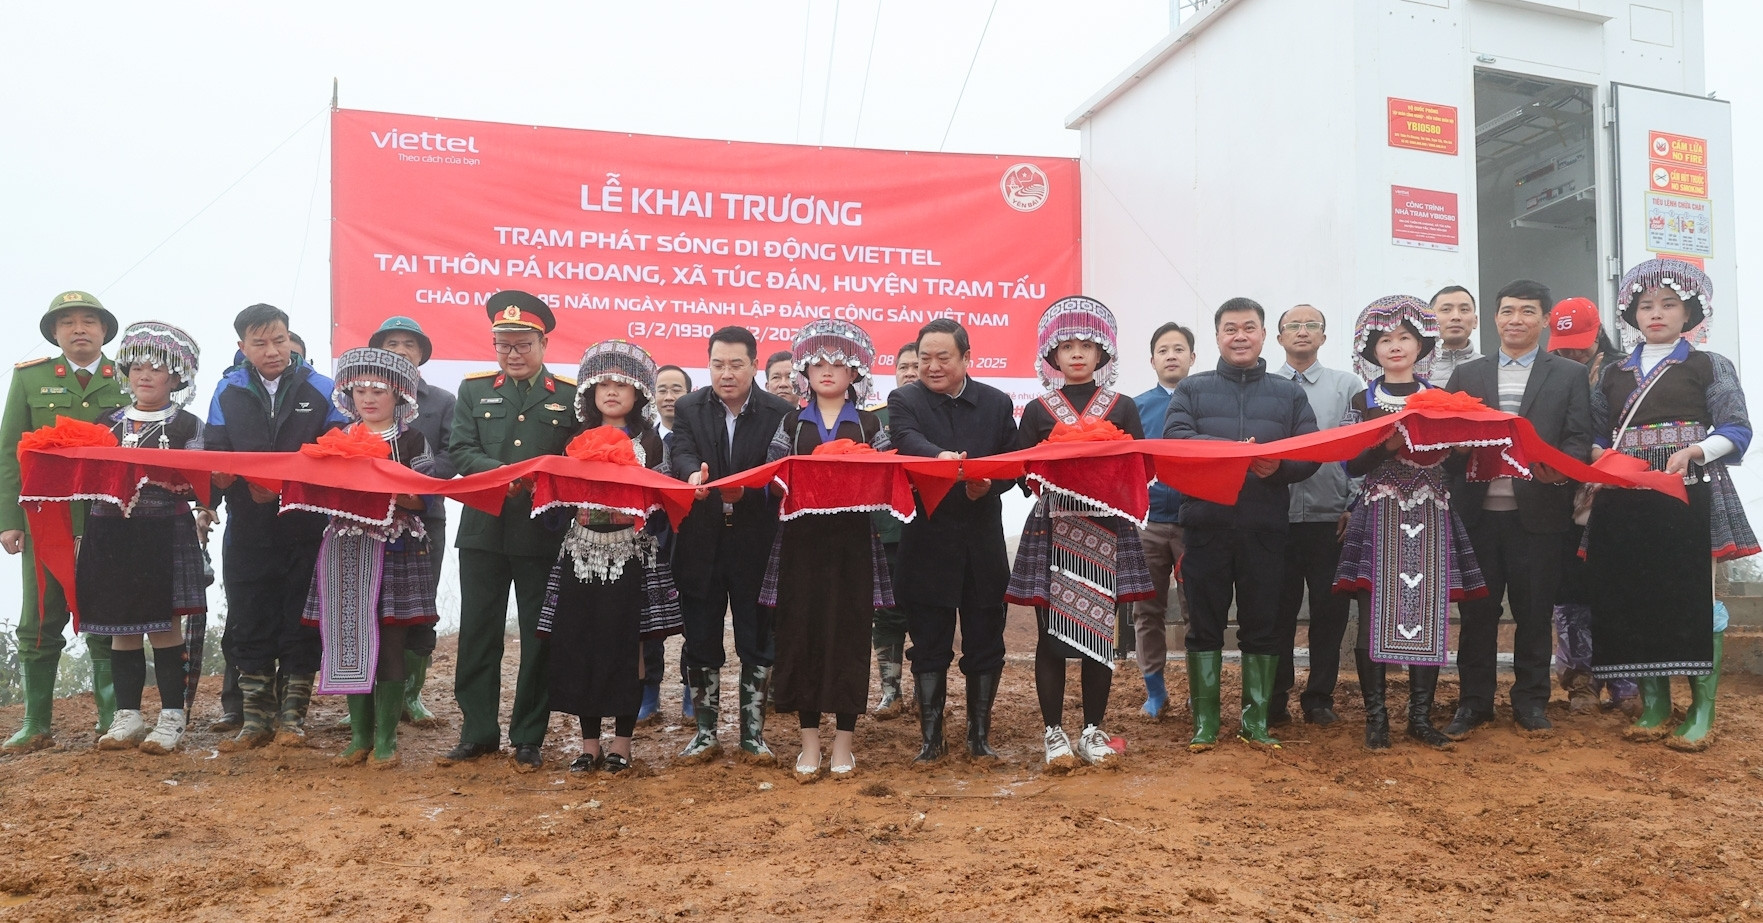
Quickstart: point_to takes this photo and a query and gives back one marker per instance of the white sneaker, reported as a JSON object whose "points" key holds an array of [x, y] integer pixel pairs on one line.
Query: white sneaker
{"points": [[165, 737], [1059, 755], [1092, 746], [127, 730]]}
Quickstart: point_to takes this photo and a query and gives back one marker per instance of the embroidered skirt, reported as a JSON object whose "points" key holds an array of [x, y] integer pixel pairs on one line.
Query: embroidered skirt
{"points": [[406, 586], [1081, 568], [1652, 584], [1407, 549], [140, 574]]}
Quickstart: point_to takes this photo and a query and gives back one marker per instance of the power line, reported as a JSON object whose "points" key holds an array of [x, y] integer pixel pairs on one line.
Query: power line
{"points": [[970, 64], [869, 61], [826, 89], [222, 195]]}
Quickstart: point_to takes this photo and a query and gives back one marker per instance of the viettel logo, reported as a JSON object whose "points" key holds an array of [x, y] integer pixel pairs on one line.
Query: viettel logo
{"points": [[424, 141], [1024, 187]]}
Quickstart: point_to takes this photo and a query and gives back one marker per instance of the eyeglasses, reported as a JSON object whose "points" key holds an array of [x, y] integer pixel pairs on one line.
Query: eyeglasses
{"points": [[1314, 326], [517, 349]]}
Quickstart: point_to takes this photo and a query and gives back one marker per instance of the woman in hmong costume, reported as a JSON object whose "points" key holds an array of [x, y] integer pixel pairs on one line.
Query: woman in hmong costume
{"points": [[827, 573], [1077, 592], [1405, 555], [609, 591], [140, 570], [1681, 409], [373, 582]]}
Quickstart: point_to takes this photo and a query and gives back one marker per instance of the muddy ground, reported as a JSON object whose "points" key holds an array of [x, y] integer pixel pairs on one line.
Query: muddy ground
{"points": [[1578, 826]]}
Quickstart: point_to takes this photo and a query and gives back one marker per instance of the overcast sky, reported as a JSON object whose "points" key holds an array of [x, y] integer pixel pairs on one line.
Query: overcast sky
{"points": [[125, 121]]}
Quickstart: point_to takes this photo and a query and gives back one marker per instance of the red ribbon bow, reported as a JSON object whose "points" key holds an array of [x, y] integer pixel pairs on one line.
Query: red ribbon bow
{"points": [[356, 441], [603, 443], [1089, 429]]}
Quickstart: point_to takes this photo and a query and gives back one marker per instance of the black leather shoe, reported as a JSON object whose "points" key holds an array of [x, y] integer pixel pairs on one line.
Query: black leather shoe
{"points": [[227, 723], [464, 753], [528, 757], [1464, 723], [1530, 720], [1321, 716], [587, 762]]}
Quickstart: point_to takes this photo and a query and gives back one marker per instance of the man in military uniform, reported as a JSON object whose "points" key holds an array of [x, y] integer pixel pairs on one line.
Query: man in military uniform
{"points": [[511, 414], [80, 383], [434, 419]]}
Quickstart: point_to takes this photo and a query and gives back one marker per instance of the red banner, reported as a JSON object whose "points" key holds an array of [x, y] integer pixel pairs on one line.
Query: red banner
{"points": [[663, 240]]}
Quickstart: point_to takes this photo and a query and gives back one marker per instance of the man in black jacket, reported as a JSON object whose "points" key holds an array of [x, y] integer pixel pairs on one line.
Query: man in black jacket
{"points": [[720, 551], [273, 402], [953, 563], [1517, 526], [1237, 549]]}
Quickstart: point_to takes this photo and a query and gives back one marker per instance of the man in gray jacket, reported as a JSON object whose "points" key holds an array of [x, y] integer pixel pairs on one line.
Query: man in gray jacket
{"points": [[1318, 516], [1237, 550]]}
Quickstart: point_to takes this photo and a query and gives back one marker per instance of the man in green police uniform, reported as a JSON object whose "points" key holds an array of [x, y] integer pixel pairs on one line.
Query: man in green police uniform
{"points": [[80, 383], [518, 412]]}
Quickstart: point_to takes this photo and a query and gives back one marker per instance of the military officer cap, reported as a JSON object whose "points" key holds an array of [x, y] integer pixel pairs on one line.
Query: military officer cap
{"points": [[513, 310], [76, 299], [401, 324]]}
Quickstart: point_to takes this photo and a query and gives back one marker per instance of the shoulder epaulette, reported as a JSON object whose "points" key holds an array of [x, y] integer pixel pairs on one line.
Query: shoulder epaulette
{"points": [[473, 376], [565, 379], [30, 362]]}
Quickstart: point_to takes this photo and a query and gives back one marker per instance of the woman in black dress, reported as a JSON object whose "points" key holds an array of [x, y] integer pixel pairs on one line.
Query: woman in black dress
{"points": [[609, 590], [1650, 557], [823, 577], [140, 572]]}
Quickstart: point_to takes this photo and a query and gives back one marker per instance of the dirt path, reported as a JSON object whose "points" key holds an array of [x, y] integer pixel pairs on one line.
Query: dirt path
{"points": [[1576, 827]]}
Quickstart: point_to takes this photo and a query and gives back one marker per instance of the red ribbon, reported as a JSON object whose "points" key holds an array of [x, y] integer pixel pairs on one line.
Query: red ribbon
{"points": [[1113, 471]]}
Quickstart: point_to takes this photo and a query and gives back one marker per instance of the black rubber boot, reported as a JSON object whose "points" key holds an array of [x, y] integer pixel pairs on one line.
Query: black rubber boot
{"points": [[931, 689], [1371, 685], [1422, 681], [982, 690]]}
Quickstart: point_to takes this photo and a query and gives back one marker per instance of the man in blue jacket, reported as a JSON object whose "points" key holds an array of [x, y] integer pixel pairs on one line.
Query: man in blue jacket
{"points": [[1172, 355], [1237, 550], [273, 402]]}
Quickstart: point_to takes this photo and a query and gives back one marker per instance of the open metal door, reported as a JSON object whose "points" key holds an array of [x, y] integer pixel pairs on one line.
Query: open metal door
{"points": [[1674, 197]]}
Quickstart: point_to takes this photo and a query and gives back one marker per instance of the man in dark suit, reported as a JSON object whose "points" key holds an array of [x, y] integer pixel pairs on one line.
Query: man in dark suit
{"points": [[1517, 526], [720, 551], [953, 563]]}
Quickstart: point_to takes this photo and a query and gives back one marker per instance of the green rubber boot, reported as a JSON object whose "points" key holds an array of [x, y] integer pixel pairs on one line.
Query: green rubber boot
{"points": [[296, 698], [1697, 730], [416, 674], [1258, 674], [1204, 668], [755, 690], [706, 686], [388, 704], [39, 704], [360, 731], [1655, 709], [103, 689]]}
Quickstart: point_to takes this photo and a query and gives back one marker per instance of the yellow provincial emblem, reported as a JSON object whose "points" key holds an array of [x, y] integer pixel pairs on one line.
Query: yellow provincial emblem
{"points": [[71, 296]]}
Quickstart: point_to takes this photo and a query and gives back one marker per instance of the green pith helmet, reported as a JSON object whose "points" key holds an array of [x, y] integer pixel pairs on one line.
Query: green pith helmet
{"points": [[76, 299]]}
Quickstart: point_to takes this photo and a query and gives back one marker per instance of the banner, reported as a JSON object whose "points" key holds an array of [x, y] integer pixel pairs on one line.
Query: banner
{"points": [[663, 240]]}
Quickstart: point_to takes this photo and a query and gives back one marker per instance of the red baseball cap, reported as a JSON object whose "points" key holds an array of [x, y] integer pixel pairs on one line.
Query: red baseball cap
{"points": [[1573, 324]]}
